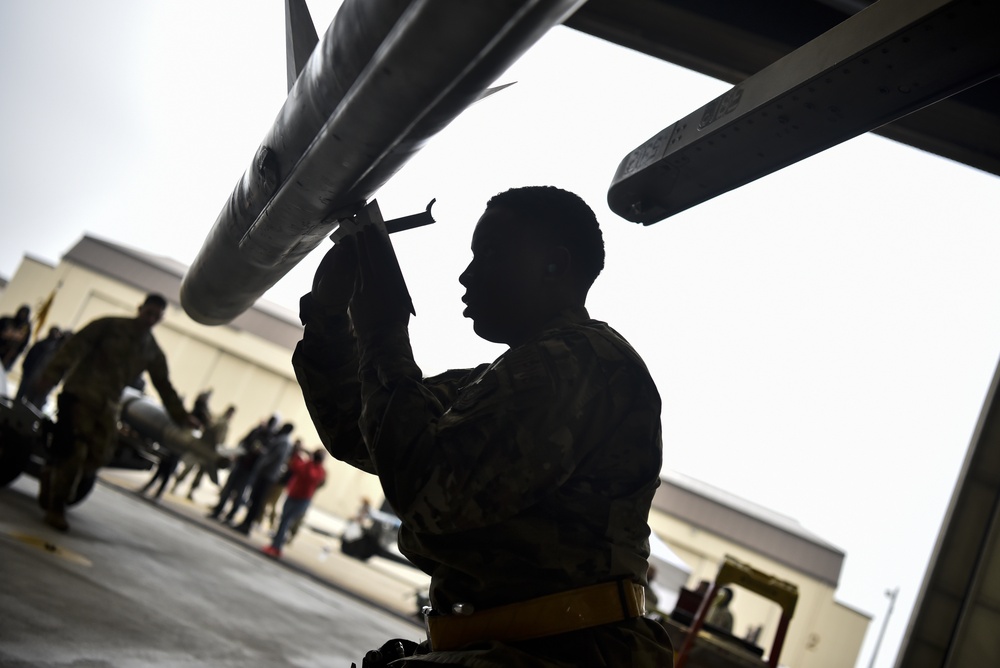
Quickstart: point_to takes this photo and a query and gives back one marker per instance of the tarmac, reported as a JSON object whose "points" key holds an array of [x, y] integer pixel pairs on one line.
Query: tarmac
{"points": [[314, 552], [137, 583]]}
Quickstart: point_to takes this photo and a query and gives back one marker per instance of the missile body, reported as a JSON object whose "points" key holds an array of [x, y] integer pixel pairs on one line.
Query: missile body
{"points": [[149, 419], [387, 76]]}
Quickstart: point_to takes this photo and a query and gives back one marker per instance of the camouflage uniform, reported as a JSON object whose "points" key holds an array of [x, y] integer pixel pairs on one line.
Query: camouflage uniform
{"points": [[525, 477], [98, 362]]}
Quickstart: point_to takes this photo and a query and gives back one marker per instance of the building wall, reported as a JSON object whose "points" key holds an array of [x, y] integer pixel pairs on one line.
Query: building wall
{"points": [[822, 634], [254, 374]]}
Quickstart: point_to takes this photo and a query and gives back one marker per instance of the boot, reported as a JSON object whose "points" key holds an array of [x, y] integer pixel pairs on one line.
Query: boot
{"points": [[45, 487], [56, 518], [62, 481]]}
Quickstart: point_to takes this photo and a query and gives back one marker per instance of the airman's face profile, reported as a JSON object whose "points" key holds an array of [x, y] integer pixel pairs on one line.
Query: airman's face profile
{"points": [[503, 281]]}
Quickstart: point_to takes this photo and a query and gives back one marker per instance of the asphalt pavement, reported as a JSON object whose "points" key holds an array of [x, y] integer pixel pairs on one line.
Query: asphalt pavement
{"points": [[137, 583]]}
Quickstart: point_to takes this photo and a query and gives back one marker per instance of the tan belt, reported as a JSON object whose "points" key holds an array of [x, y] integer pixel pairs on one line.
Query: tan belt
{"points": [[539, 617]]}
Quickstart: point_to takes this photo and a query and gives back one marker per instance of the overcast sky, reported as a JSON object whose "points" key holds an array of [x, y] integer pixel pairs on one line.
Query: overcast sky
{"points": [[823, 339]]}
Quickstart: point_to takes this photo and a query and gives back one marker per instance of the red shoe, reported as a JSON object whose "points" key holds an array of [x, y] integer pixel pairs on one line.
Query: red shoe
{"points": [[271, 551]]}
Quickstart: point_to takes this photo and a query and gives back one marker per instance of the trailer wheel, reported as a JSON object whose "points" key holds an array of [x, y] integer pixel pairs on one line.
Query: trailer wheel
{"points": [[14, 455]]}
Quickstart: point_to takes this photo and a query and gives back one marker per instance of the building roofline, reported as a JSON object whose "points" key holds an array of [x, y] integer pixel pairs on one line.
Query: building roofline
{"points": [[156, 273], [751, 525]]}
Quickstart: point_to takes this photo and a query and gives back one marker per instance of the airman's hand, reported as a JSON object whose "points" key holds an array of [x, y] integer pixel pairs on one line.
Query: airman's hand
{"points": [[380, 297], [333, 284]]}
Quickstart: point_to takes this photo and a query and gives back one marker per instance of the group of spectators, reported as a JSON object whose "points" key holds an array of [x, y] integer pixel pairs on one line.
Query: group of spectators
{"points": [[268, 465]]}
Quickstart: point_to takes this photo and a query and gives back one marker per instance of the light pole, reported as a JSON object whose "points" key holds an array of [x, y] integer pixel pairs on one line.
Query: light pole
{"points": [[891, 593]]}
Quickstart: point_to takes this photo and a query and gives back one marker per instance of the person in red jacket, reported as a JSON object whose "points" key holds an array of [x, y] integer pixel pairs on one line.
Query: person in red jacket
{"points": [[307, 475]]}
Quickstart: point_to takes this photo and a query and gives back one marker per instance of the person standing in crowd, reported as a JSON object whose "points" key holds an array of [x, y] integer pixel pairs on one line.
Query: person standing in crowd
{"points": [[200, 408], [164, 469], [265, 473], [235, 489], [278, 488], [307, 475], [31, 366], [719, 615], [215, 435], [14, 334], [523, 485], [97, 363]]}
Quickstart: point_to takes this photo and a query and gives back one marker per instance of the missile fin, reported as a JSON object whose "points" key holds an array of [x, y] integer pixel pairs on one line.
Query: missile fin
{"points": [[300, 38]]}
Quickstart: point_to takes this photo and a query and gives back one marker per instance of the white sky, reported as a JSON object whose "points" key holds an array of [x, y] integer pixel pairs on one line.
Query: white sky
{"points": [[823, 339]]}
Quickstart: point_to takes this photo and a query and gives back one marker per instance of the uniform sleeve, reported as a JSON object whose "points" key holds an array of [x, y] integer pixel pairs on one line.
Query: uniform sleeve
{"points": [[71, 352], [158, 373], [326, 366], [511, 435]]}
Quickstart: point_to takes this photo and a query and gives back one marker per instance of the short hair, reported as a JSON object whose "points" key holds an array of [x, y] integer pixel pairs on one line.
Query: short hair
{"points": [[156, 299], [565, 218]]}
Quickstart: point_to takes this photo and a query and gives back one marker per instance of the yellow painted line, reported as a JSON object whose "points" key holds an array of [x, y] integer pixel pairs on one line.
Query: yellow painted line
{"points": [[50, 548]]}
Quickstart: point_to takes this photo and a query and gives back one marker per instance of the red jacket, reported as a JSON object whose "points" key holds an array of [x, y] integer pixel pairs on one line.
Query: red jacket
{"points": [[307, 476]]}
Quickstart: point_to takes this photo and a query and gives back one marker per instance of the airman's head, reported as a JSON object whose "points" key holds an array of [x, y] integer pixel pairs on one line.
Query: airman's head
{"points": [[536, 252], [152, 310]]}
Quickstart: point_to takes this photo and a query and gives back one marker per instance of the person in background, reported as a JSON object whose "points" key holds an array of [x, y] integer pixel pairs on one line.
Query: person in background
{"points": [[239, 480], [34, 361], [200, 408], [719, 614], [215, 435], [265, 473], [277, 489], [14, 334], [97, 363], [164, 469], [307, 475], [652, 599]]}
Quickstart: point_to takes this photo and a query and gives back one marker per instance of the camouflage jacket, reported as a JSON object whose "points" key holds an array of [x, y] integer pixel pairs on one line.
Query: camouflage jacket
{"points": [[516, 479], [527, 476], [98, 361]]}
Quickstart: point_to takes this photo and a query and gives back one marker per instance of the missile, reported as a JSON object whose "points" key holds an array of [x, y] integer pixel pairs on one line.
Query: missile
{"points": [[387, 76], [150, 419]]}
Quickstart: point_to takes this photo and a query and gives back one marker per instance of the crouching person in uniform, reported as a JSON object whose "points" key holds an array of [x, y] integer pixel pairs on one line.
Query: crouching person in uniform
{"points": [[523, 485], [97, 363]]}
